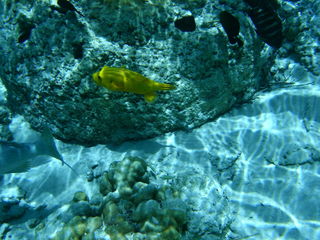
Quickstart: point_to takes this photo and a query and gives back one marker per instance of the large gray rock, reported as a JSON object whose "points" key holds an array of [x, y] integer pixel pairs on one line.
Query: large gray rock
{"points": [[5, 115], [49, 76]]}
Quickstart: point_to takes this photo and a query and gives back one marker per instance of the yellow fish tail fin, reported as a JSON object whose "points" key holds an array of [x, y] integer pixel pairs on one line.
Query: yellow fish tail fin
{"points": [[150, 97], [165, 86]]}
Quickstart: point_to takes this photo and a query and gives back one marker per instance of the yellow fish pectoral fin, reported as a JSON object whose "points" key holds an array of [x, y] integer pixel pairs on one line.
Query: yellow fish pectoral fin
{"points": [[150, 97], [117, 85]]}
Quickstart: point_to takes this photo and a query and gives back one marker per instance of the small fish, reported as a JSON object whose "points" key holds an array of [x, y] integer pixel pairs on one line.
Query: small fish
{"points": [[68, 6], [20, 157], [268, 24], [124, 80], [231, 26], [186, 24]]}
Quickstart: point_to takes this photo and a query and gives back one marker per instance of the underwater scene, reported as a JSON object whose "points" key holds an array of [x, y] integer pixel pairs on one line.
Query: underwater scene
{"points": [[160, 120]]}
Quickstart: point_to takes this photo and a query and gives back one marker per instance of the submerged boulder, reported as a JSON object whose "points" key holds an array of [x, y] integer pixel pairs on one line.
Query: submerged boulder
{"points": [[48, 75]]}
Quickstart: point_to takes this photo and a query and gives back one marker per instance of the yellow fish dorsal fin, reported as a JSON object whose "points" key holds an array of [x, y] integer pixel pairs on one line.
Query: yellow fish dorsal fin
{"points": [[105, 68], [150, 97]]}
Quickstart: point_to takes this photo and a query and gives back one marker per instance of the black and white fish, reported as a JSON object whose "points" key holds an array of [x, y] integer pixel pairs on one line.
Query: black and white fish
{"points": [[266, 21], [185, 24]]}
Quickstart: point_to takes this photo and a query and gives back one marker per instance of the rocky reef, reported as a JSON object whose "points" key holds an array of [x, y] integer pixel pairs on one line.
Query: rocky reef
{"points": [[48, 75]]}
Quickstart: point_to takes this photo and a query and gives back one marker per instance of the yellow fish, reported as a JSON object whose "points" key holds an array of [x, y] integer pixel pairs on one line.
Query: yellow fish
{"points": [[125, 80]]}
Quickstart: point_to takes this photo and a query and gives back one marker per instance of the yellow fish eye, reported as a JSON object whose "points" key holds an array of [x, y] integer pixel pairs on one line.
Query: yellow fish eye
{"points": [[99, 78]]}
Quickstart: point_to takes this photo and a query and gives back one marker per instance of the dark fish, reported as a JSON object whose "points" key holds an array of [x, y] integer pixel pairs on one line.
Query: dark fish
{"points": [[186, 24], [68, 6], [231, 26], [268, 24]]}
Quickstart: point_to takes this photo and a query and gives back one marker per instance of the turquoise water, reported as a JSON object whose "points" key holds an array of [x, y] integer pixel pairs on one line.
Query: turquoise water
{"points": [[250, 173]]}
